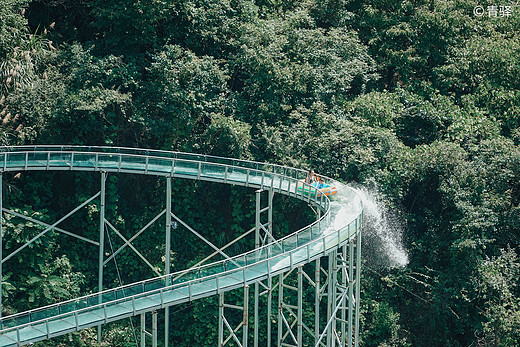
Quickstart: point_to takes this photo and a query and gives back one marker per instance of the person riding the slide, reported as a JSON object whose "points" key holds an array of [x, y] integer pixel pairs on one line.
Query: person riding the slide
{"points": [[311, 177], [317, 182]]}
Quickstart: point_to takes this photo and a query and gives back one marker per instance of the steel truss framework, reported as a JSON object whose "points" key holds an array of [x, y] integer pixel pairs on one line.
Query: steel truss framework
{"points": [[336, 289], [104, 228], [331, 276]]}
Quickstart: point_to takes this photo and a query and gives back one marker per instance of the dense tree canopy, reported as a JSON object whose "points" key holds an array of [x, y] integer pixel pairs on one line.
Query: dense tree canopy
{"points": [[419, 98]]}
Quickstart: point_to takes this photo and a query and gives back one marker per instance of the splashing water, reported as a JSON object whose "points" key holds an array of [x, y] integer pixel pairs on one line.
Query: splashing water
{"points": [[382, 233], [346, 206]]}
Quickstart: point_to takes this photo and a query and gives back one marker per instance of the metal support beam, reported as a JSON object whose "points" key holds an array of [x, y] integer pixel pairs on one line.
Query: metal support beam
{"points": [[330, 299], [332, 319], [1, 244], [256, 316], [350, 290], [154, 329], [49, 228], [153, 334], [14, 213], [270, 215], [244, 322], [344, 283], [300, 307], [259, 242], [280, 313], [246, 316], [341, 279], [257, 245], [220, 320], [215, 253], [167, 256], [101, 241], [317, 296], [129, 241], [269, 305], [358, 284], [143, 329], [204, 239], [257, 219], [335, 293]]}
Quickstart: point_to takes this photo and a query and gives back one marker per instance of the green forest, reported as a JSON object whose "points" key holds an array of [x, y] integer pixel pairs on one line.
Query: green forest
{"points": [[418, 101]]}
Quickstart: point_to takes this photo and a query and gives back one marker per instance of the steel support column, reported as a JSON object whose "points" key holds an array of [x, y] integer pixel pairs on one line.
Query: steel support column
{"points": [[143, 329], [257, 219], [220, 320], [154, 329], [244, 323], [317, 297], [269, 305], [153, 334], [167, 254], [101, 241], [260, 241], [344, 282], [270, 280], [290, 307], [49, 228], [343, 275], [350, 291], [335, 296], [331, 294], [257, 245], [280, 312], [1, 244], [300, 307], [358, 284], [245, 317]]}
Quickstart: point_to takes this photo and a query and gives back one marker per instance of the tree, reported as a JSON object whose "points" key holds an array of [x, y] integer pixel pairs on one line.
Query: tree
{"points": [[498, 290], [282, 64], [181, 96]]}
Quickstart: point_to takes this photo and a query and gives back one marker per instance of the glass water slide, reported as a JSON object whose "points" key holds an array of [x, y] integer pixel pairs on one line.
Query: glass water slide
{"points": [[340, 221]]}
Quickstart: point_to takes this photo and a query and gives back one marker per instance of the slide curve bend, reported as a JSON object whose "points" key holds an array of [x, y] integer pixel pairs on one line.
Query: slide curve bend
{"points": [[340, 222]]}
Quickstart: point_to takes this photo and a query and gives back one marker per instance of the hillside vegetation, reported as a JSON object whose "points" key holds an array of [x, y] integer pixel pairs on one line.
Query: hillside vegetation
{"points": [[420, 99]]}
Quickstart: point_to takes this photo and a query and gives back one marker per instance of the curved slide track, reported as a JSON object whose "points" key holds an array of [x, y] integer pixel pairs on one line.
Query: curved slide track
{"points": [[334, 235]]}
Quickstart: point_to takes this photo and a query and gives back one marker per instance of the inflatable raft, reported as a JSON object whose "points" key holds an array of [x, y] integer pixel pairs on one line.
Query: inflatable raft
{"points": [[326, 190]]}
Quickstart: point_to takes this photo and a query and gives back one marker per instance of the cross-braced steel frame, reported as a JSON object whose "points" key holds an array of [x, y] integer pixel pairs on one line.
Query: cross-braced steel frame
{"points": [[334, 314], [103, 224], [310, 302]]}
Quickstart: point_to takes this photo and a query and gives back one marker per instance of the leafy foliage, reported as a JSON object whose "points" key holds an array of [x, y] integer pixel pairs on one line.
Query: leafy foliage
{"points": [[417, 97], [497, 283]]}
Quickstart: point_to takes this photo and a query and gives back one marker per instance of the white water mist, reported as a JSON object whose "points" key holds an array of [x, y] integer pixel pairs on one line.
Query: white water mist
{"points": [[382, 232]]}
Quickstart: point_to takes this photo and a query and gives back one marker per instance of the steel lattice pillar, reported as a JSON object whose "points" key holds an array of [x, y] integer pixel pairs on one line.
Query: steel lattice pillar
{"points": [[290, 322], [263, 236], [343, 278], [144, 333], [334, 281], [223, 321], [101, 242], [1, 244], [104, 223], [167, 255]]}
